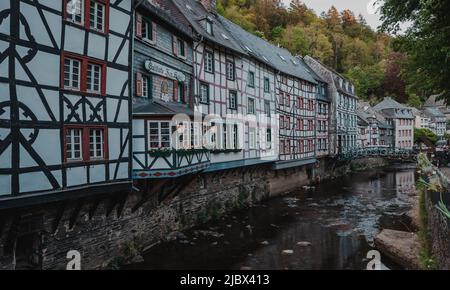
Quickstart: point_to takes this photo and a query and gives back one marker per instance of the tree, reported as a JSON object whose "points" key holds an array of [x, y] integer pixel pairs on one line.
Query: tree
{"points": [[295, 41], [393, 82], [423, 133], [367, 80], [426, 42], [414, 101]]}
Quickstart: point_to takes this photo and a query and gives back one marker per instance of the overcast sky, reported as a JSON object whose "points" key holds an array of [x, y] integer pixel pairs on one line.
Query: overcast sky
{"points": [[363, 7]]}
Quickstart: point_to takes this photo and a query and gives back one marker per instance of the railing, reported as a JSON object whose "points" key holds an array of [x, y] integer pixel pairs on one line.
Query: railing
{"points": [[355, 153]]}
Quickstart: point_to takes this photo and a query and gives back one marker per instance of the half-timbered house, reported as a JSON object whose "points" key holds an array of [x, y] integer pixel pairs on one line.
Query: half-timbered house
{"points": [[227, 91], [287, 81], [343, 119], [167, 139], [64, 97]]}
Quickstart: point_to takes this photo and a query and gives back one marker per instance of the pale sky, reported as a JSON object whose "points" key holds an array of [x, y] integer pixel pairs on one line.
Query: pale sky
{"points": [[363, 7]]}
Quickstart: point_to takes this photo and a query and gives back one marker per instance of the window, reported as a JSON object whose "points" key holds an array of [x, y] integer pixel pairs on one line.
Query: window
{"points": [[147, 30], [96, 143], [281, 122], [225, 138], [252, 138], [75, 11], [181, 48], [97, 16], [73, 144], [288, 123], [268, 138], [159, 135], [267, 108], [235, 136], [85, 143], [209, 27], [300, 102], [72, 72], [251, 106], [251, 79], [94, 78], [288, 100], [266, 85], [233, 100], [181, 92], [204, 93], [209, 62], [83, 74], [230, 70]]}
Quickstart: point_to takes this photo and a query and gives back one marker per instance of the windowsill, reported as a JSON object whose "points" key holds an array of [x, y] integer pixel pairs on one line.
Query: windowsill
{"points": [[203, 103], [85, 162], [146, 41], [75, 92]]}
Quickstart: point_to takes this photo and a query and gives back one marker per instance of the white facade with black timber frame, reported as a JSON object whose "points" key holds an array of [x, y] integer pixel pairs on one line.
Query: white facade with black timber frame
{"points": [[65, 122]]}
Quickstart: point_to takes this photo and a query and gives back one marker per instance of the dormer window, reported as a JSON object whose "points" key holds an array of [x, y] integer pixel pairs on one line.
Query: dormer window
{"points": [[209, 27]]}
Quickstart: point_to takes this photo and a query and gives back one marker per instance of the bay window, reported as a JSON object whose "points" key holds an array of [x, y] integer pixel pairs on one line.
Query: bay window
{"points": [[159, 135]]}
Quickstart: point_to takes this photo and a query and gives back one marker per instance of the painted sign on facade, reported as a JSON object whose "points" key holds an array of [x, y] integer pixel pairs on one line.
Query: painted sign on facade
{"points": [[164, 71]]}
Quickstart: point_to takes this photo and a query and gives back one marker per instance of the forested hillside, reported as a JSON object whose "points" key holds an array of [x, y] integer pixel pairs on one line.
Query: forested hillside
{"points": [[340, 39]]}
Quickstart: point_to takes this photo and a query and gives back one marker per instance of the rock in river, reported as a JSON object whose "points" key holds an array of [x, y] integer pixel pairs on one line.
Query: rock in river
{"points": [[287, 252]]}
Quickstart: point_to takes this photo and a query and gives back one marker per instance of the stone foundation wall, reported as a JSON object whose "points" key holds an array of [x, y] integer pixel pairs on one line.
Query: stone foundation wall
{"points": [[108, 231]]}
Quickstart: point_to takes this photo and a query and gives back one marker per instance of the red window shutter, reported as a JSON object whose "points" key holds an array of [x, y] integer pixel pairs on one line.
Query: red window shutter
{"points": [[138, 25], [174, 45], [154, 31], [139, 85], [175, 91]]}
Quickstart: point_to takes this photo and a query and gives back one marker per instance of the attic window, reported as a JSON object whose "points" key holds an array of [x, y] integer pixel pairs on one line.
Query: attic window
{"points": [[282, 57], [294, 62], [265, 58], [248, 48], [224, 36], [189, 7], [209, 27]]}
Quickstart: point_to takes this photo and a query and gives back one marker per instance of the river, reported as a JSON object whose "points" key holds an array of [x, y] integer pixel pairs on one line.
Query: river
{"points": [[331, 226]]}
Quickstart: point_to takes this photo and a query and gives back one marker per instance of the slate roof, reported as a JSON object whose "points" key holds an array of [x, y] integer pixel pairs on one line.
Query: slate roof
{"points": [[433, 112], [366, 111], [277, 57], [393, 109], [194, 12], [168, 12]]}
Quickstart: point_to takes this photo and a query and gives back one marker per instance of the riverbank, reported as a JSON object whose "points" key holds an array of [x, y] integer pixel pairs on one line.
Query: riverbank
{"points": [[329, 226]]}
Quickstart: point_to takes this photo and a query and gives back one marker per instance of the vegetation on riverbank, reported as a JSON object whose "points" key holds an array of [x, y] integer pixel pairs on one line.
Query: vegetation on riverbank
{"points": [[425, 185]]}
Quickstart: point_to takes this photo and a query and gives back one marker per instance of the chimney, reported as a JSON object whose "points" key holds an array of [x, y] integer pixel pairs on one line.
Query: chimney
{"points": [[209, 5]]}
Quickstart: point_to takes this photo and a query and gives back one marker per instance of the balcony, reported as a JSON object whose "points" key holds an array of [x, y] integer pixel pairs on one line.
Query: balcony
{"points": [[169, 163]]}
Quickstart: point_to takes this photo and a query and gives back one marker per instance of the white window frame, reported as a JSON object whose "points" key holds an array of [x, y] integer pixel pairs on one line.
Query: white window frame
{"points": [[71, 74], [159, 135], [232, 99], [72, 143], [251, 79], [90, 80], [204, 94], [251, 106], [230, 67], [93, 21], [76, 6], [209, 62], [147, 30], [252, 138], [98, 132]]}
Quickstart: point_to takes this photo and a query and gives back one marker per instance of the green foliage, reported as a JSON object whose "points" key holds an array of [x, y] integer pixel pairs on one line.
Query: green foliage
{"points": [[425, 133], [414, 101], [426, 42], [367, 80]]}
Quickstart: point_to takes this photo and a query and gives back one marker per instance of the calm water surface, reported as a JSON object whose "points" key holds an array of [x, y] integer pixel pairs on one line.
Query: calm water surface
{"points": [[331, 226]]}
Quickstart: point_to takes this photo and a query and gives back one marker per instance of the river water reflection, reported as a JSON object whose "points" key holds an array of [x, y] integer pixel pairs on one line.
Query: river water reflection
{"points": [[331, 226]]}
